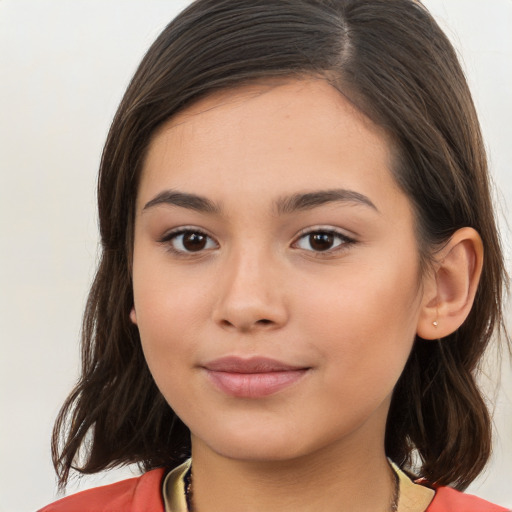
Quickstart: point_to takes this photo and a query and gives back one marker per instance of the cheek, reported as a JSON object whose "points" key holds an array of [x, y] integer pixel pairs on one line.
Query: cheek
{"points": [[164, 322], [168, 313], [169, 345], [165, 296], [366, 320]]}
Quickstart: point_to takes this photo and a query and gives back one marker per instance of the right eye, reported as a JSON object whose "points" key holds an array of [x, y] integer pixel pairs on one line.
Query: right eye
{"points": [[189, 241]]}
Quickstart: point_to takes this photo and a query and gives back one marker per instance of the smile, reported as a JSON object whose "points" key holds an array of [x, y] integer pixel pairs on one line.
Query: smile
{"points": [[252, 378]]}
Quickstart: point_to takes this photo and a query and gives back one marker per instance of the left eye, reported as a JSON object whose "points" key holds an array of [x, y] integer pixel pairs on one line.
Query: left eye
{"points": [[190, 241], [321, 241]]}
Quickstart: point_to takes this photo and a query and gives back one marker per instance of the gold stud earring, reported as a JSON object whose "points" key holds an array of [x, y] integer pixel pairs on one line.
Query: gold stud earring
{"points": [[435, 322]]}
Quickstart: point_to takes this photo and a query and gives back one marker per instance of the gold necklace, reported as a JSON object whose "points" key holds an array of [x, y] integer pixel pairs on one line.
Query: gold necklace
{"points": [[189, 492]]}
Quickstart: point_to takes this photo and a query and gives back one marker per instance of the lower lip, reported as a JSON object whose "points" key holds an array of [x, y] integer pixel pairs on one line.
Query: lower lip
{"points": [[254, 385]]}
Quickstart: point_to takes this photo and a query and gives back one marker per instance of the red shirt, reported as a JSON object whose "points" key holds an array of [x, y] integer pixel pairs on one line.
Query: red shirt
{"points": [[144, 494]]}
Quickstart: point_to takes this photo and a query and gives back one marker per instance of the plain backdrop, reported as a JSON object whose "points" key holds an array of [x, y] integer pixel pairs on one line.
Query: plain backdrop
{"points": [[64, 65]]}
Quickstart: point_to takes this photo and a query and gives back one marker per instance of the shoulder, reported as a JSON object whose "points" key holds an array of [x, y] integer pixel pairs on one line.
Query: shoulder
{"points": [[447, 499], [140, 494]]}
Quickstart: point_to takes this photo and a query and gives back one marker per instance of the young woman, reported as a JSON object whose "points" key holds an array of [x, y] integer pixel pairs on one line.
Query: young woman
{"points": [[300, 270]]}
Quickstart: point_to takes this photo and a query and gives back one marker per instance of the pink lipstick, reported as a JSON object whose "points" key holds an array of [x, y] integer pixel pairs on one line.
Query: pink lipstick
{"points": [[256, 377]]}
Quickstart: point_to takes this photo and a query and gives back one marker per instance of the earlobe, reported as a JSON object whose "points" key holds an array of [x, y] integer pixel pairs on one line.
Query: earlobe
{"points": [[451, 287], [133, 316]]}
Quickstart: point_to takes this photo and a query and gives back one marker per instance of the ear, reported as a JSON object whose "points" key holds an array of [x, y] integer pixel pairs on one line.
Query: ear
{"points": [[449, 290], [133, 316]]}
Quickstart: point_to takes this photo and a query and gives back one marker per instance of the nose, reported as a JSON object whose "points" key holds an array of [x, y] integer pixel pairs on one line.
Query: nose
{"points": [[251, 294]]}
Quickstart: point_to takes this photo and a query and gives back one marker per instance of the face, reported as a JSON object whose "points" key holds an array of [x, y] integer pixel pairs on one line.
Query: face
{"points": [[276, 272]]}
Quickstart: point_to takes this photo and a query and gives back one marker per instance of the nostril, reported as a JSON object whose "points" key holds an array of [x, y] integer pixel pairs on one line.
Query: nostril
{"points": [[262, 323]]}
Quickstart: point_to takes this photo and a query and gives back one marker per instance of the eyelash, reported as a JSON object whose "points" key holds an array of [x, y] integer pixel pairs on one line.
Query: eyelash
{"points": [[171, 236], [344, 241]]}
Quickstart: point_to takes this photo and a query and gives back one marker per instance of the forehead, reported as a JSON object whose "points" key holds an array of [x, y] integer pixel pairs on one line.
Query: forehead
{"points": [[272, 100], [290, 134]]}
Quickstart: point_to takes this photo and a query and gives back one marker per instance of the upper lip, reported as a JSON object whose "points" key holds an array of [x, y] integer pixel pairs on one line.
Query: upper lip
{"points": [[233, 364]]}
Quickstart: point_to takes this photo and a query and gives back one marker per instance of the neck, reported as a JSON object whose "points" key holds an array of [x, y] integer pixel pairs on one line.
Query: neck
{"points": [[358, 481]]}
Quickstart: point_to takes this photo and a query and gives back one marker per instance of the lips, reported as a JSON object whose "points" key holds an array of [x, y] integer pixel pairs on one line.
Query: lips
{"points": [[256, 377]]}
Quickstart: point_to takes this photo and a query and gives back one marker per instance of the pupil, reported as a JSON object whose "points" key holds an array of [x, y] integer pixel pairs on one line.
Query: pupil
{"points": [[321, 241], [194, 241]]}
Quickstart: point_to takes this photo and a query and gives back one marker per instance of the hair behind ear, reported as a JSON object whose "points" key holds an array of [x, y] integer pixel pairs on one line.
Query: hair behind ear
{"points": [[437, 406], [439, 409]]}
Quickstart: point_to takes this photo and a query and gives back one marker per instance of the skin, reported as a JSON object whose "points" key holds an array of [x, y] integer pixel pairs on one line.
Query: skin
{"points": [[347, 315]]}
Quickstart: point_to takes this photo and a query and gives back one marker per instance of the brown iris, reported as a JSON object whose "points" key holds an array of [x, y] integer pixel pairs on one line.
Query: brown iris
{"points": [[321, 241], [194, 242]]}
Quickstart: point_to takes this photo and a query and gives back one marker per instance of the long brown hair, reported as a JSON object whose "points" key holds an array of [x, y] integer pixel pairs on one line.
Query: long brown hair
{"points": [[393, 62]]}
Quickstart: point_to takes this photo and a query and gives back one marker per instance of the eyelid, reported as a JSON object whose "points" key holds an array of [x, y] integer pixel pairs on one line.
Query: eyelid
{"points": [[326, 228], [174, 233], [346, 239], [170, 233]]}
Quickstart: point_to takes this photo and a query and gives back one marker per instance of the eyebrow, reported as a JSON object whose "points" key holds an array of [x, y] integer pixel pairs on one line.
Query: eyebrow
{"points": [[300, 202], [285, 205], [184, 200]]}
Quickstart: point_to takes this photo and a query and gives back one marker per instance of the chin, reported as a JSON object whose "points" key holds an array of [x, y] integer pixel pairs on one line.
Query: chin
{"points": [[258, 445], [258, 451]]}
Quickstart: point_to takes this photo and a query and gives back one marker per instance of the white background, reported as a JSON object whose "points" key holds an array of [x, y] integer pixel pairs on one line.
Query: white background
{"points": [[64, 65]]}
